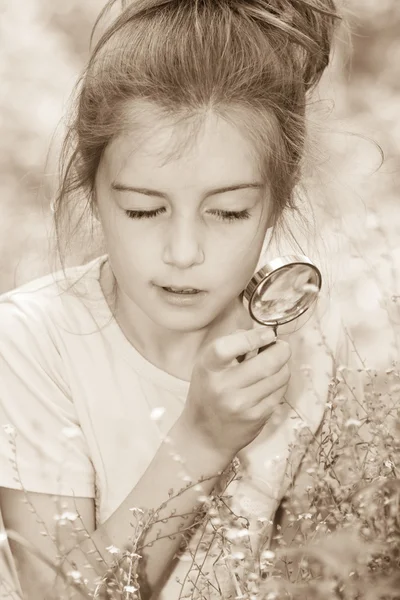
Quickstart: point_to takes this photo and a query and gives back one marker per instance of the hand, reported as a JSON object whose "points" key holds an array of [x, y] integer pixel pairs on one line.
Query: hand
{"points": [[228, 402]]}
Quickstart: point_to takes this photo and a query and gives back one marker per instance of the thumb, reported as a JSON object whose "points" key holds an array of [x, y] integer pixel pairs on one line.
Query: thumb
{"points": [[224, 350], [250, 354]]}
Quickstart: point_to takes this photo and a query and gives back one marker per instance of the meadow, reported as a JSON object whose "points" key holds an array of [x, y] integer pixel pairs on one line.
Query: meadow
{"points": [[346, 527]]}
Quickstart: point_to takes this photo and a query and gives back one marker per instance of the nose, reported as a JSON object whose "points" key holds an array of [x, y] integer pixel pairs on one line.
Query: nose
{"points": [[183, 247]]}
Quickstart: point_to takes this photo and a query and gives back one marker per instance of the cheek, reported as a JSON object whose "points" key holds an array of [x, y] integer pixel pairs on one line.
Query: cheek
{"points": [[241, 250]]}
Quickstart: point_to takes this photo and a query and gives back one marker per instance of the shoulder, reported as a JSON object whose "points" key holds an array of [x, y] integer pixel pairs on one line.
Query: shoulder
{"points": [[32, 314], [42, 298]]}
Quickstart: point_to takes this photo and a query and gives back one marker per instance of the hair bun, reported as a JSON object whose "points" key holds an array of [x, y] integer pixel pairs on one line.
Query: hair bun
{"points": [[309, 24]]}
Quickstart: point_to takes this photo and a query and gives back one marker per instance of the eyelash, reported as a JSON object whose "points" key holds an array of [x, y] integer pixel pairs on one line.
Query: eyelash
{"points": [[225, 215]]}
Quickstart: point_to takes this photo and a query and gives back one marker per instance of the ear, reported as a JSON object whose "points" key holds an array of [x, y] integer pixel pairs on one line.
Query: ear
{"points": [[94, 207]]}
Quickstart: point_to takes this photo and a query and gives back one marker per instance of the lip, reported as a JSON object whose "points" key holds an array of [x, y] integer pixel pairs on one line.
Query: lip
{"points": [[182, 300], [180, 288]]}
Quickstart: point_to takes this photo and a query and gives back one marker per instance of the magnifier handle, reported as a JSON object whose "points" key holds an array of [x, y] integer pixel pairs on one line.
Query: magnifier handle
{"points": [[240, 359], [275, 330], [265, 347]]}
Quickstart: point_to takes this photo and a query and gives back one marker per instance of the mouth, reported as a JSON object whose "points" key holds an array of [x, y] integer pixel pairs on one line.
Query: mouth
{"points": [[187, 291]]}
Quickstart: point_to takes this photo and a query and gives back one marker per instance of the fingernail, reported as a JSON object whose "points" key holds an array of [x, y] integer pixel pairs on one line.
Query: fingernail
{"points": [[268, 335]]}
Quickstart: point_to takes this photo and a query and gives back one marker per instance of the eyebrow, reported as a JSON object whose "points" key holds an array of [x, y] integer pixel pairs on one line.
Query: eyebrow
{"points": [[120, 187]]}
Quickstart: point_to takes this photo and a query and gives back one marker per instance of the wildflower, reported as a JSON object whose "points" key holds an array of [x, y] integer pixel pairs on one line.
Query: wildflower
{"points": [[176, 457], [71, 432], [268, 555], [66, 516], [137, 512], [234, 533], [157, 413], [203, 498], [237, 555], [75, 575], [9, 429], [351, 422], [113, 549], [131, 589]]}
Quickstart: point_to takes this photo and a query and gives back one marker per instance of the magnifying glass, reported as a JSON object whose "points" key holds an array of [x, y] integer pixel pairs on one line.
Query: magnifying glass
{"points": [[282, 290]]}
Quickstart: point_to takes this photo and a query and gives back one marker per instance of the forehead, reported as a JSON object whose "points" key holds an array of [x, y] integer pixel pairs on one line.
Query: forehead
{"points": [[210, 150]]}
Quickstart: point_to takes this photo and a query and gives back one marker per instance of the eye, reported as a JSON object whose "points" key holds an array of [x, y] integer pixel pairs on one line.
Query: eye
{"points": [[223, 215], [231, 215], [144, 214]]}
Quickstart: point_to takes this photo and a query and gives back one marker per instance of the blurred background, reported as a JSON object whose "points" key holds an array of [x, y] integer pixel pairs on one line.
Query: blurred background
{"points": [[43, 47]]}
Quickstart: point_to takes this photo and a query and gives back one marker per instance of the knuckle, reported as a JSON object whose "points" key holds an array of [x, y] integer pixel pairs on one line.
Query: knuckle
{"points": [[235, 405], [249, 340]]}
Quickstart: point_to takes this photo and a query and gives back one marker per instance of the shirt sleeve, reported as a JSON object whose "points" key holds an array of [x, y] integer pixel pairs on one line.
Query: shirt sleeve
{"points": [[42, 446]]}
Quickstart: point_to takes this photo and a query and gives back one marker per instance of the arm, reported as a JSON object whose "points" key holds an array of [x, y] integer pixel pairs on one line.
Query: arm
{"points": [[200, 462]]}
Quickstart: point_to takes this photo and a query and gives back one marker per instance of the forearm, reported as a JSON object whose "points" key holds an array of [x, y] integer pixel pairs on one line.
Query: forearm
{"points": [[160, 484]]}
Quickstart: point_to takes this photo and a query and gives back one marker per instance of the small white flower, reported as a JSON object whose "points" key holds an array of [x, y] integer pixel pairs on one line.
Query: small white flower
{"points": [[137, 511], [69, 516], [76, 575], [299, 425], [9, 429], [268, 555], [3, 538], [203, 498], [351, 422], [388, 464], [112, 549], [233, 534], [71, 432], [157, 413], [131, 589], [237, 555]]}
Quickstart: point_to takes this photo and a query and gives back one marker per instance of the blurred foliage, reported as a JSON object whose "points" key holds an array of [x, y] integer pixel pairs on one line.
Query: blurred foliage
{"points": [[43, 47]]}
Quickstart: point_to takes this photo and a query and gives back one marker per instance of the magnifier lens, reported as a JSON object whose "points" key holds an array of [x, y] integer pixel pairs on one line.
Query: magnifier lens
{"points": [[283, 294]]}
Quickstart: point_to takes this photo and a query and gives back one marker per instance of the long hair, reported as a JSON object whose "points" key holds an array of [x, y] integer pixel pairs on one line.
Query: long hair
{"points": [[252, 62]]}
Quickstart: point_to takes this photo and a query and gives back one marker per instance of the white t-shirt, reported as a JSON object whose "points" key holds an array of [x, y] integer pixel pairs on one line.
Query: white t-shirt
{"points": [[79, 398]]}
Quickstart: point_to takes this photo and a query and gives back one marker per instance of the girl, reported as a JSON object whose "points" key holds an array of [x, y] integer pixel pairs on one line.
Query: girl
{"points": [[119, 378]]}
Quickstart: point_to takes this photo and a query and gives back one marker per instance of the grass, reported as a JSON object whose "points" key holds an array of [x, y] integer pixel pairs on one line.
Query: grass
{"points": [[342, 516]]}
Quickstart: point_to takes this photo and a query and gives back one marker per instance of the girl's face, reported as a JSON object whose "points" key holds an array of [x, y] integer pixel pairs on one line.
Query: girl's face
{"points": [[196, 221]]}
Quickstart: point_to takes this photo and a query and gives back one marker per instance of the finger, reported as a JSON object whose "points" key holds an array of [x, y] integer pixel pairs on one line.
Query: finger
{"points": [[224, 350], [267, 388], [271, 408], [246, 400], [262, 366], [240, 359]]}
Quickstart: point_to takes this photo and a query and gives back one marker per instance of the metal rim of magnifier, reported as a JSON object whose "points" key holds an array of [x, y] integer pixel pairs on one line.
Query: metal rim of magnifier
{"points": [[272, 267]]}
